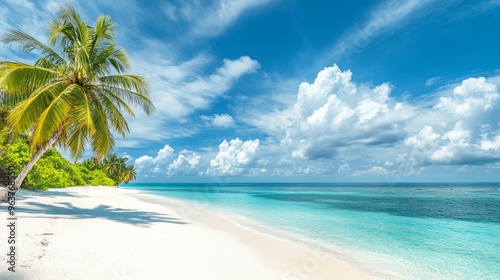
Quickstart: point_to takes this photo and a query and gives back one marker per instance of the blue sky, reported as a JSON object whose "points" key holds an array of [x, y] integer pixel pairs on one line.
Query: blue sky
{"points": [[327, 91]]}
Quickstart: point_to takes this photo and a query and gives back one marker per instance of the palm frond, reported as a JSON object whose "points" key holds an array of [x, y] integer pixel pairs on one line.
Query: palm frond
{"points": [[102, 141], [19, 76], [76, 143], [55, 115], [28, 111], [115, 117]]}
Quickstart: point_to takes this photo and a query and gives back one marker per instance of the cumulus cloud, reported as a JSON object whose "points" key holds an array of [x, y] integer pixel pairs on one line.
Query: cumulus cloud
{"points": [[157, 164], [463, 130], [472, 97], [234, 157], [222, 120], [185, 164], [333, 113], [166, 163], [336, 118]]}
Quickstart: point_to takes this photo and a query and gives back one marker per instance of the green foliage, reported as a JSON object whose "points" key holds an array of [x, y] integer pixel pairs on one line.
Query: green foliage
{"points": [[16, 154], [52, 170], [95, 177], [114, 167]]}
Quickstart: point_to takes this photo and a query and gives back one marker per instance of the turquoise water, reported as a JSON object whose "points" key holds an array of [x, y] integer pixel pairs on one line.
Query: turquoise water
{"points": [[406, 231]]}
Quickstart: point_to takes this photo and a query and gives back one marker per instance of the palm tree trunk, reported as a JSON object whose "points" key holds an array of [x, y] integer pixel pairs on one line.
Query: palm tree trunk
{"points": [[22, 175]]}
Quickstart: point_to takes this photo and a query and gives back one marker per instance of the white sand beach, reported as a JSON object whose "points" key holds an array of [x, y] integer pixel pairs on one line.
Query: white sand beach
{"points": [[116, 233]]}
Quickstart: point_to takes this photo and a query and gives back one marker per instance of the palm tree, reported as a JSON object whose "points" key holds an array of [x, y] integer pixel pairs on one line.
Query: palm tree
{"points": [[90, 163], [115, 168], [110, 166], [76, 92], [130, 174]]}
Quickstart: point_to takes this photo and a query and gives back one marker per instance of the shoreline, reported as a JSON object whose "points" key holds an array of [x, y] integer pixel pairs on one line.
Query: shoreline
{"points": [[125, 233], [317, 262]]}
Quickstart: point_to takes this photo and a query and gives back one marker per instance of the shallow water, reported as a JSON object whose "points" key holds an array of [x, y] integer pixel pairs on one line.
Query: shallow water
{"points": [[410, 231]]}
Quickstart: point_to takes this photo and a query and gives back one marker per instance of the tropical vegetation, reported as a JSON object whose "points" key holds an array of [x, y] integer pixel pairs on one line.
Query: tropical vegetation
{"points": [[52, 170], [74, 95], [114, 167]]}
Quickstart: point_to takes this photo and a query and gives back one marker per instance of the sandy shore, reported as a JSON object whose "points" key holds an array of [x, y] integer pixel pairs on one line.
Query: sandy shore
{"points": [[116, 233]]}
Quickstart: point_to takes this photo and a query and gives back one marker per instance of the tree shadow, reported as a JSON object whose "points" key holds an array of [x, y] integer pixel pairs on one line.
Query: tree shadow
{"points": [[128, 216], [27, 193]]}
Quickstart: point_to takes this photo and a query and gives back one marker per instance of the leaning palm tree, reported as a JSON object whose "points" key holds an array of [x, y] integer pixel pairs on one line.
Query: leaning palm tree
{"points": [[76, 92]]}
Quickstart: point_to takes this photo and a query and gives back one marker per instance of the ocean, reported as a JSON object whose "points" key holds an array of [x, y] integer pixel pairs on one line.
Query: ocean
{"points": [[404, 231]]}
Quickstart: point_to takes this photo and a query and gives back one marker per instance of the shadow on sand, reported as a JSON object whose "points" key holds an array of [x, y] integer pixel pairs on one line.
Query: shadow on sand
{"points": [[69, 211], [27, 193]]}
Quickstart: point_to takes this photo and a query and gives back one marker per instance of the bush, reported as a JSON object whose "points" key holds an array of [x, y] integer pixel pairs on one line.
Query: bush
{"points": [[95, 177], [51, 171]]}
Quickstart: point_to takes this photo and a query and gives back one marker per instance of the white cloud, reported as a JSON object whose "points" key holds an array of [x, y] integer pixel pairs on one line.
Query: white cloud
{"points": [[462, 128], [127, 156], [222, 120], [157, 164], [333, 113], [492, 145], [165, 154], [193, 94], [224, 15], [432, 81], [34, 22], [210, 19], [234, 157], [423, 139], [344, 168], [474, 95], [185, 164], [166, 163], [180, 89], [387, 16], [143, 163], [457, 146], [336, 118], [375, 170]]}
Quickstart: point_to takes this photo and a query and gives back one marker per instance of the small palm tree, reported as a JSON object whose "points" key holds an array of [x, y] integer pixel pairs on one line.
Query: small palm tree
{"points": [[130, 174], [76, 92], [90, 163], [115, 168]]}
